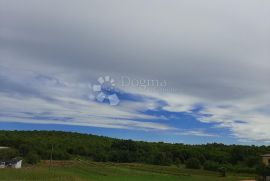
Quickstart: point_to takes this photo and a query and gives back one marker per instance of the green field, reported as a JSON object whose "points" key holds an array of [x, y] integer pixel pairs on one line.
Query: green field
{"points": [[93, 171]]}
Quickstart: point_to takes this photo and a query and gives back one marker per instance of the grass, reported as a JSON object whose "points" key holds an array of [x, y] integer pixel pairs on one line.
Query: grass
{"points": [[93, 171]]}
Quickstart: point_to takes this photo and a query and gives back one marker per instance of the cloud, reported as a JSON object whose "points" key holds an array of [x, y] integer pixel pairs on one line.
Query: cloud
{"points": [[215, 54], [199, 133], [52, 101]]}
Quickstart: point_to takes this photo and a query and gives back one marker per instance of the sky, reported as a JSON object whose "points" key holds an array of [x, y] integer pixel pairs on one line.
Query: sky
{"points": [[184, 71]]}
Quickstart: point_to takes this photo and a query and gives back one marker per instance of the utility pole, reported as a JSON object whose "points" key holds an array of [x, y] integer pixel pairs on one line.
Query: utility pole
{"points": [[51, 158]]}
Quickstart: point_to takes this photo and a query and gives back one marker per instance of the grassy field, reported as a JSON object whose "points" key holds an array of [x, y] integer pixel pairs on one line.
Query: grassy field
{"points": [[92, 171]]}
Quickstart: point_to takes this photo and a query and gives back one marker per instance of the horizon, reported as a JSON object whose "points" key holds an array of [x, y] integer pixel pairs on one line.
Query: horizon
{"points": [[119, 138], [176, 72]]}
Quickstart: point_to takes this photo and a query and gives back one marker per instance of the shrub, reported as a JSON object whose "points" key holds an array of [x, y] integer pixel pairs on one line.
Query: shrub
{"points": [[263, 170], [222, 171], [246, 170], [163, 159], [211, 166], [32, 158], [193, 163]]}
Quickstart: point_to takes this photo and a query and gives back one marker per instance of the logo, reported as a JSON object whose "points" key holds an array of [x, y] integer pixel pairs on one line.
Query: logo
{"points": [[105, 90]]}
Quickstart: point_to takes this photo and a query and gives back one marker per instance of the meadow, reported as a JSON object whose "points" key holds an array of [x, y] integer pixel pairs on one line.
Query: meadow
{"points": [[96, 171]]}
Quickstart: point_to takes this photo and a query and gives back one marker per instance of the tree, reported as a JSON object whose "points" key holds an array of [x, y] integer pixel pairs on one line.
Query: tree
{"points": [[24, 149], [237, 154], [32, 158], [211, 166], [193, 163], [252, 161], [163, 159], [35, 145], [263, 170], [8, 153]]}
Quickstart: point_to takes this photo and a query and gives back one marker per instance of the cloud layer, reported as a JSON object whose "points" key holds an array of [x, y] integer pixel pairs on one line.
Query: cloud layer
{"points": [[215, 54]]}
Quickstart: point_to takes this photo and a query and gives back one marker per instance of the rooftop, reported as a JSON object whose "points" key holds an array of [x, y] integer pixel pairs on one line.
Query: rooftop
{"points": [[3, 147], [266, 155]]}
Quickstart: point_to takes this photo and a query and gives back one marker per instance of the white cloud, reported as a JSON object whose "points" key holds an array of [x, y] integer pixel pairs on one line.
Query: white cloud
{"points": [[214, 53], [199, 133], [50, 101]]}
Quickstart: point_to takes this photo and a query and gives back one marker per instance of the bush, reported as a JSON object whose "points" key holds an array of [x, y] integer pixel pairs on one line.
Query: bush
{"points": [[61, 155], [211, 166], [193, 163], [246, 170], [163, 159], [263, 170], [32, 158], [222, 171]]}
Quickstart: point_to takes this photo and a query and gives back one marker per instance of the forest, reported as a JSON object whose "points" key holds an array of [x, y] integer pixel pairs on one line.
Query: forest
{"points": [[34, 146]]}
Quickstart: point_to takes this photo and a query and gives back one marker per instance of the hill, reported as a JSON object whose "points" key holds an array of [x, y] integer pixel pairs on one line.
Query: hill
{"points": [[36, 145]]}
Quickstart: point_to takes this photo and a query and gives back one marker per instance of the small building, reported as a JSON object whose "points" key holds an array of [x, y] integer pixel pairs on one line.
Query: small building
{"points": [[2, 164], [266, 159], [13, 163]]}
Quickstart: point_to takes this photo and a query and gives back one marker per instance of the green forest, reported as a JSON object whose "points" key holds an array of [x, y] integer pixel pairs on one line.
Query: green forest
{"points": [[34, 146]]}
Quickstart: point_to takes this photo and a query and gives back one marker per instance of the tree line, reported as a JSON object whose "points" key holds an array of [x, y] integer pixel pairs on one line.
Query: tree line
{"points": [[33, 146]]}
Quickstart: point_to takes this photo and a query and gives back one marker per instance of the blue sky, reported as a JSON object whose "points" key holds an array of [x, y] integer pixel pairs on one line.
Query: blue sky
{"points": [[174, 71]]}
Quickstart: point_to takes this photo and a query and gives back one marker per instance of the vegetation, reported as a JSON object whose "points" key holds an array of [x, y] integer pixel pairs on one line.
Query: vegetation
{"points": [[211, 166], [193, 163], [36, 145], [7, 154], [100, 171], [263, 171]]}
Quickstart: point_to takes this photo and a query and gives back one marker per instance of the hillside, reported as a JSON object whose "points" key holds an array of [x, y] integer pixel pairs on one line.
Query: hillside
{"points": [[36, 145]]}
